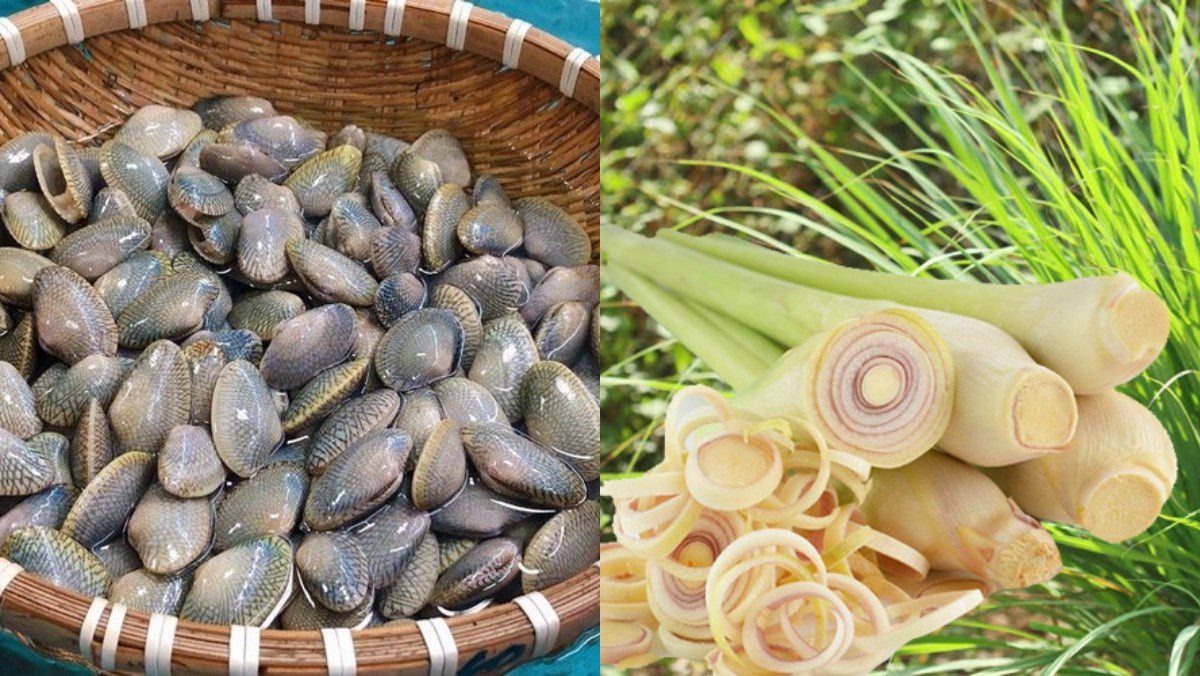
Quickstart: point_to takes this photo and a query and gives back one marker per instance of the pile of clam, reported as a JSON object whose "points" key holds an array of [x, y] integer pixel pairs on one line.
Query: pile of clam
{"points": [[254, 374]]}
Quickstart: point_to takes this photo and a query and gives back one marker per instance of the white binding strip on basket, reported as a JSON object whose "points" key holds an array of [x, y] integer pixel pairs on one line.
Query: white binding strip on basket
{"points": [[544, 619], [514, 38], [264, 10], [199, 10], [136, 9], [339, 651], [460, 17], [393, 17], [160, 636], [8, 572], [112, 636], [443, 652], [243, 650], [72, 24], [312, 12], [570, 72], [12, 38], [87, 631], [358, 14]]}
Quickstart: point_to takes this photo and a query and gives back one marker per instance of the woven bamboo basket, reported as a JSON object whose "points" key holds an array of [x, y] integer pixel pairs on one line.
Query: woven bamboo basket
{"points": [[523, 103]]}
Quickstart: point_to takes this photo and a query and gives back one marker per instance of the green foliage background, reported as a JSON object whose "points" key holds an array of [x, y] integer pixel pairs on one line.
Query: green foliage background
{"points": [[1003, 142]]}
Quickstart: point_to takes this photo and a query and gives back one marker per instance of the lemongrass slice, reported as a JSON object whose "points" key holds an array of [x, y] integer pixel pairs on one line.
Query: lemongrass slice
{"points": [[693, 557], [959, 520], [817, 598], [684, 648], [879, 386], [732, 472], [673, 524], [625, 645], [691, 409], [1112, 480]]}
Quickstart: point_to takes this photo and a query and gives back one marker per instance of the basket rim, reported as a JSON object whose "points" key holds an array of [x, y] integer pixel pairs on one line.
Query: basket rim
{"points": [[58, 617], [455, 23]]}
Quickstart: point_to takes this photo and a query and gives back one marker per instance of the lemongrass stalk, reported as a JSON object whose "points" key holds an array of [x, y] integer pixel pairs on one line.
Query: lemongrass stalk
{"points": [[1006, 409], [1112, 480], [730, 359], [1096, 332], [767, 350], [958, 519]]}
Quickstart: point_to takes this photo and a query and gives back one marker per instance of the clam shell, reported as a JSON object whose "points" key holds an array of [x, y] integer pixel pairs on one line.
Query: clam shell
{"points": [[18, 267], [367, 334], [23, 471], [479, 575], [92, 445], [388, 538], [412, 589], [262, 245], [280, 136], [441, 468], [519, 468], [552, 236], [351, 226], [194, 193], [98, 248], [47, 508], [143, 178], [324, 393], [235, 344], [397, 296], [488, 190], [56, 558], [505, 354], [420, 348], [439, 235], [110, 202], [118, 557], [147, 592], [101, 509], [420, 412], [18, 414], [245, 424], [265, 311], [219, 112], [170, 532], [172, 309], [302, 613], [333, 570], [72, 319], [131, 278], [490, 229], [521, 273], [307, 345], [379, 152], [215, 238], [62, 401], [395, 251], [19, 346], [54, 448], [155, 396], [205, 360], [416, 178], [349, 135], [188, 464], [255, 192], [160, 131], [442, 148], [169, 234], [466, 401], [562, 548], [359, 480], [32, 222], [479, 512], [489, 281], [232, 162], [63, 179], [561, 285], [560, 414], [267, 503], [350, 422], [451, 549], [190, 157], [389, 205], [464, 308], [331, 276], [323, 178], [563, 332], [248, 584], [17, 172]]}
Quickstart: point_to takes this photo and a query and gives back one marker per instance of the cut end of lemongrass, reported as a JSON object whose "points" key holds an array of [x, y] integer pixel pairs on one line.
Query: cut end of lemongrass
{"points": [[1029, 558], [1123, 505], [1140, 324], [1044, 411]]}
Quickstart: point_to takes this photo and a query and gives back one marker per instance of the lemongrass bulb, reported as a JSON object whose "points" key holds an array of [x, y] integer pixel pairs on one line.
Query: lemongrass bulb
{"points": [[880, 386], [1007, 408], [1113, 478], [954, 515]]}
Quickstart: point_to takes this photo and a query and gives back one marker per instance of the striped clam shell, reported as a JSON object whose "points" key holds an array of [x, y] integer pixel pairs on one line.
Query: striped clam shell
{"points": [[56, 558], [248, 584]]}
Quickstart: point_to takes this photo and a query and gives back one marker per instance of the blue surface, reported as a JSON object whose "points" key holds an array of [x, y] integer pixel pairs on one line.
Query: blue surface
{"points": [[578, 23]]}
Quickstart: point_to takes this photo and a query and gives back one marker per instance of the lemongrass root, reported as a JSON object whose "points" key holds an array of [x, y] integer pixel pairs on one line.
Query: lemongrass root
{"points": [[1006, 408], [960, 521], [1096, 332], [1112, 480]]}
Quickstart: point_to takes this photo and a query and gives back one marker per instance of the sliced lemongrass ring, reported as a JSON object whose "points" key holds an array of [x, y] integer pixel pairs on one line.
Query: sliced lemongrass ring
{"points": [[732, 473], [657, 483], [690, 408], [929, 622], [713, 532], [623, 644], [675, 600], [914, 563], [818, 597], [636, 518], [657, 545], [684, 648]]}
